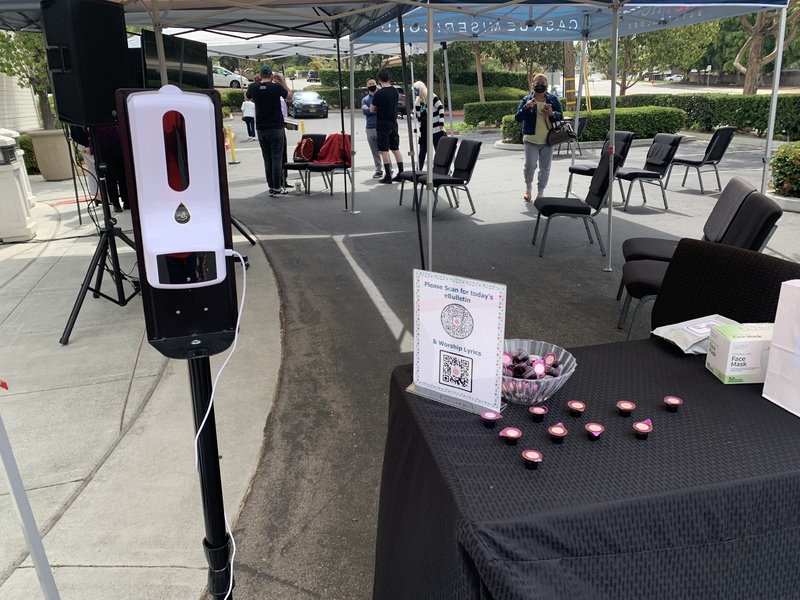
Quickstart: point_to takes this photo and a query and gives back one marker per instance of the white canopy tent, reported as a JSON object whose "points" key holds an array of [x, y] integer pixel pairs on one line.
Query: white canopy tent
{"points": [[335, 19]]}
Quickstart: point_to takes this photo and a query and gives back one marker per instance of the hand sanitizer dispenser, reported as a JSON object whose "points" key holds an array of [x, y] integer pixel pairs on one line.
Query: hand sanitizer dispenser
{"points": [[173, 142], [177, 182]]}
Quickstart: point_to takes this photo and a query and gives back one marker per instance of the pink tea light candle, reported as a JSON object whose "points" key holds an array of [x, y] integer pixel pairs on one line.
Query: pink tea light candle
{"points": [[593, 430], [625, 407], [643, 428], [532, 459], [511, 435], [557, 433], [489, 418], [672, 403], [576, 407], [538, 413]]}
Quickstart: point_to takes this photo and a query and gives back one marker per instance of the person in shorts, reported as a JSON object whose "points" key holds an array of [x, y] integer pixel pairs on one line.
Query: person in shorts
{"points": [[372, 134], [384, 105]]}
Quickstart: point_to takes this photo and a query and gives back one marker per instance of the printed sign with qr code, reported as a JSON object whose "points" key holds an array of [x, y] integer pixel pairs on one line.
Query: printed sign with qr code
{"points": [[455, 371]]}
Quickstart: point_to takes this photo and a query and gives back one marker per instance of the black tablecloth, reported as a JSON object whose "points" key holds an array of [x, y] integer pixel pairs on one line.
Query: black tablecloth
{"points": [[706, 507]]}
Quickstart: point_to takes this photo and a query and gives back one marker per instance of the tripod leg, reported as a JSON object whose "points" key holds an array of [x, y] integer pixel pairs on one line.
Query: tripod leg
{"points": [[241, 230], [99, 253]]}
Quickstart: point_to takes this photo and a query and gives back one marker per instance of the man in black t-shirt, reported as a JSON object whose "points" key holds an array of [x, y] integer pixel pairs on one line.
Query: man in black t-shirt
{"points": [[384, 104], [266, 95]]}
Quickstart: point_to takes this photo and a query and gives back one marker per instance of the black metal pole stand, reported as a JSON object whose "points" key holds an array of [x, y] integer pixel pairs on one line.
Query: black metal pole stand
{"points": [[106, 248], [217, 543]]}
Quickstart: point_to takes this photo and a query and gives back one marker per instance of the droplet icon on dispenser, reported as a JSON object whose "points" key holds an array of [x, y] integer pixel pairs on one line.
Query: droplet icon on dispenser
{"points": [[182, 215]]}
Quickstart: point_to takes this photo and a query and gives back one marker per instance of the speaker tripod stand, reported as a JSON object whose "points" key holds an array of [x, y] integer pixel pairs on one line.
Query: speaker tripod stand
{"points": [[106, 251]]}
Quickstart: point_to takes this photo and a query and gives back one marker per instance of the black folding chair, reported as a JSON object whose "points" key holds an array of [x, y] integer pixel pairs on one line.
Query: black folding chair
{"points": [[302, 166], [463, 167], [550, 208], [622, 145], [751, 228], [659, 158], [714, 152], [442, 161], [577, 139]]}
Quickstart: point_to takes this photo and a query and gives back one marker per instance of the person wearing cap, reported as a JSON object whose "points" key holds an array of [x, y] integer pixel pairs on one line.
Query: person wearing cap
{"points": [[267, 95]]}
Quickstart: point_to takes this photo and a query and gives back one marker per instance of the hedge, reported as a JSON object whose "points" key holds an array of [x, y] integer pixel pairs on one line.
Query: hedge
{"points": [[31, 166], [785, 165], [512, 79], [706, 112], [644, 122]]}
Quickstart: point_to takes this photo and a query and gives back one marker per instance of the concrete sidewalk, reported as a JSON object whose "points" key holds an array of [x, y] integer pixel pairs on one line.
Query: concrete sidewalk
{"points": [[102, 428]]}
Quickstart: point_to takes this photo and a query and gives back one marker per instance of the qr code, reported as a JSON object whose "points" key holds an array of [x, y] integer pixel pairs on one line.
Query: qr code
{"points": [[455, 371]]}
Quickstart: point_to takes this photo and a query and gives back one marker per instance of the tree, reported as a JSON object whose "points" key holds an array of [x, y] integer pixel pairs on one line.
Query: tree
{"points": [[535, 57], [569, 76], [22, 55], [759, 27], [631, 59]]}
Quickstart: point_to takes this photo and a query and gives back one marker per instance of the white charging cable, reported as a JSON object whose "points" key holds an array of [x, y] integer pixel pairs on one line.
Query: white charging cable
{"points": [[211, 404]]}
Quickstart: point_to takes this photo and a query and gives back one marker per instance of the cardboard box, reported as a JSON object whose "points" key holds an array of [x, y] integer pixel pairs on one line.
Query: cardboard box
{"points": [[739, 353]]}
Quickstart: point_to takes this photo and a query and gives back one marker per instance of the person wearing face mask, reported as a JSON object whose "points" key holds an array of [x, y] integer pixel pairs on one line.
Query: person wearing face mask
{"points": [[534, 112], [372, 133], [424, 109]]}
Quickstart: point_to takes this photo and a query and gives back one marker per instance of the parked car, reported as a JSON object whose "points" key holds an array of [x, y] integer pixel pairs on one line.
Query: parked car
{"points": [[675, 77], [307, 104], [313, 76], [227, 79], [401, 103]]}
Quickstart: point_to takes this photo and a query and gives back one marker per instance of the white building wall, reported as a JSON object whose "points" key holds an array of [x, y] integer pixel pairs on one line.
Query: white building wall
{"points": [[18, 109]]}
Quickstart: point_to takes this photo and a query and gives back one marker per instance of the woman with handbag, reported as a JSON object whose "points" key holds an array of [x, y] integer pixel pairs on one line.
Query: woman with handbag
{"points": [[537, 112]]}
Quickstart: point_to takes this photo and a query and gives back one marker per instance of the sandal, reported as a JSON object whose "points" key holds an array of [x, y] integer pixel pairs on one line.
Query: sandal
{"points": [[527, 196]]}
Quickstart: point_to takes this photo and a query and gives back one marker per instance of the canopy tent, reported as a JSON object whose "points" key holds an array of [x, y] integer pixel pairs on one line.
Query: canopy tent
{"points": [[338, 18], [556, 22]]}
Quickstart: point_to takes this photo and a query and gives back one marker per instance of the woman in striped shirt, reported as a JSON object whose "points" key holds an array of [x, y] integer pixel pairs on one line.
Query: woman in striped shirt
{"points": [[421, 109]]}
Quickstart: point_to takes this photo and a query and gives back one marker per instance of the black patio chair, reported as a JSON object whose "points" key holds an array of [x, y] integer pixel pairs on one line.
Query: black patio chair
{"points": [[622, 145], [327, 169], [550, 208], [577, 140], [713, 155], [463, 167], [659, 158], [442, 161], [302, 166], [706, 279], [751, 228], [714, 229]]}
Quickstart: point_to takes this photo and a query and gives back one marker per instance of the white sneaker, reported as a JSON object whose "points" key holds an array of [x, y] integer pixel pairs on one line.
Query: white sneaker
{"points": [[281, 192]]}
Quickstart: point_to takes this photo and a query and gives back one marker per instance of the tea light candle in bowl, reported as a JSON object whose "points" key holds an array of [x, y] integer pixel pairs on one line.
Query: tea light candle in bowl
{"points": [[672, 403], [594, 430], [643, 428], [532, 459], [511, 435], [489, 417], [576, 407], [625, 407], [538, 413], [557, 433]]}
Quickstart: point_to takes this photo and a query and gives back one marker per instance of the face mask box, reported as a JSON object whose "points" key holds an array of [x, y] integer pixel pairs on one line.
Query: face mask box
{"points": [[739, 353]]}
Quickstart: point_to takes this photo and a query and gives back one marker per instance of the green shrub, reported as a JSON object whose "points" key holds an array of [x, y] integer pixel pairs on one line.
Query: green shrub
{"points": [[497, 79], [31, 166], [785, 166], [232, 98], [645, 122], [490, 113], [226, 112]]}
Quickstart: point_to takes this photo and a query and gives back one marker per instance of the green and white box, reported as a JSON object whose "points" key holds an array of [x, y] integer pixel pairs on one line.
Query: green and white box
{"points": [[739, 353]]}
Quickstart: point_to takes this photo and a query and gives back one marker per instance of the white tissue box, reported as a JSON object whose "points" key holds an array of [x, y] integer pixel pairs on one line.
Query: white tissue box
{"points": [[739, 353]]}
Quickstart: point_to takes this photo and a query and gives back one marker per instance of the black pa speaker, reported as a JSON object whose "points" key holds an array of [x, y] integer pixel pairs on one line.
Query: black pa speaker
{"points": [[87, 55]]}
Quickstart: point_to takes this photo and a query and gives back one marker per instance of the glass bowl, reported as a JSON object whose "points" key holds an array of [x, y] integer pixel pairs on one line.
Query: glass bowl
{"points": [[526, 391]]}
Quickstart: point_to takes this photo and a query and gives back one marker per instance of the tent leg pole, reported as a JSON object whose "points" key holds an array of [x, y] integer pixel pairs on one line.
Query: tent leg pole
{"points": [[773, 105], [612, 124]]}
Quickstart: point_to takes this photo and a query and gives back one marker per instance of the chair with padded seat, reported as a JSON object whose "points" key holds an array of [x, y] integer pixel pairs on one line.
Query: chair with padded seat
{"points": [[659, 158], [596, 197], [577, 140], [623, 141], [750, 229], [302, 166], [340, 150], [714, 153], [705, 279], [442, 161], [730, 200], [463, 168]]}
